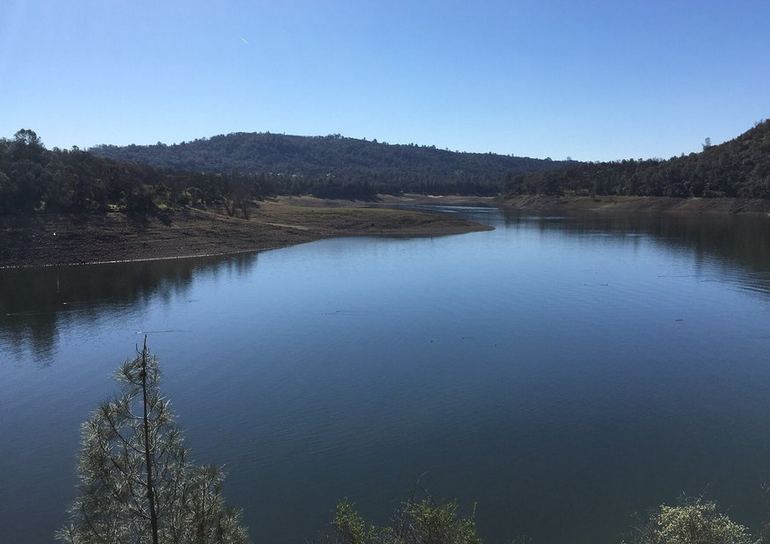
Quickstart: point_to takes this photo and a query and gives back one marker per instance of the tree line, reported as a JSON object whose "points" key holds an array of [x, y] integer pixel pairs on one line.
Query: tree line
{"points": [[151, 179], [308, 164], [236, 170], [737, 168], [36, 179]]}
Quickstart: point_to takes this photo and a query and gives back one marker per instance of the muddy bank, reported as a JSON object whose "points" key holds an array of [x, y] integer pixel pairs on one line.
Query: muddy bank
{"points": [[630, 204], [66, 239]]}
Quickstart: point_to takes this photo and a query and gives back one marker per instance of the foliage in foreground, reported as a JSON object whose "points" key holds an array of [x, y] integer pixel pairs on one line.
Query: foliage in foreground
{"points": [[693, 522], [415, 522], [137, 484]]}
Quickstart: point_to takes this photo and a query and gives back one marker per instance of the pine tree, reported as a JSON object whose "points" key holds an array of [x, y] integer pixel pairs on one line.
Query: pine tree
{"points": [[137, 484]]}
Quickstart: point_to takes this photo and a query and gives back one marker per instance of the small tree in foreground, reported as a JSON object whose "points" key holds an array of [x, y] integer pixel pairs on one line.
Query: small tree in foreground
{"points": [[415, 522], [137, 485], [693, 522]]}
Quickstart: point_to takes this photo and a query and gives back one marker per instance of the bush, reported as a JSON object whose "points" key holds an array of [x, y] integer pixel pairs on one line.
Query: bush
{"points": [[415, 522], [693, 522]]}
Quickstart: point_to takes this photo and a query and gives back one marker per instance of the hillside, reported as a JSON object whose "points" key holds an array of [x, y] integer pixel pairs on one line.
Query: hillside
{"points": [[737, 168], [311, 164]]}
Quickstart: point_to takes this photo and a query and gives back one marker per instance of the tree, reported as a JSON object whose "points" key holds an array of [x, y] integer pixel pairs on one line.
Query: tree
{"points": [[27, 145], [137, 485]]}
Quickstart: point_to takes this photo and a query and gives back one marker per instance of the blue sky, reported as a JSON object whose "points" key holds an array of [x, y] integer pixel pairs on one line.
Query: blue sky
{"points": [[591, 80]]}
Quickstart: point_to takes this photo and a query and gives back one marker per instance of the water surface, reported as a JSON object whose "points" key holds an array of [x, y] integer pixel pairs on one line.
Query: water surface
{"points": [[562, 372]]}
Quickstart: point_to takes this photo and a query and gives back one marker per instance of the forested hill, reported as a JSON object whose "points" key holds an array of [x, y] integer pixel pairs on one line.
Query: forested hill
{"points": [[737, 168], [308, 163]]}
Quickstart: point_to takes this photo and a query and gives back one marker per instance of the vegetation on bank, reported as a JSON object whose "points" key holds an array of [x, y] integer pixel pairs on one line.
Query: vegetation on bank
{"points": [[138, 485], [234, 171], [34, 179], [313, 165], [737, 168]]}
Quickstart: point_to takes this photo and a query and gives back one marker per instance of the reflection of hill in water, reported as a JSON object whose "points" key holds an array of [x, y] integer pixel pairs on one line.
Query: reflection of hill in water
{"points": [[738, 243], [36, 304]]}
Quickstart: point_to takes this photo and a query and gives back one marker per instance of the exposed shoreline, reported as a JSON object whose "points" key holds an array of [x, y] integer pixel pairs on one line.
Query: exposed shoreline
{"points": [[574, 203], [59, 240], [637, 204]]}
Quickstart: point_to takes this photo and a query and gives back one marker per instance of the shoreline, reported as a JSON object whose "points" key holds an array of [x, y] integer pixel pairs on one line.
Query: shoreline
{"points": [[576, 203], [142, 259], [637, 204], [68, 240]]}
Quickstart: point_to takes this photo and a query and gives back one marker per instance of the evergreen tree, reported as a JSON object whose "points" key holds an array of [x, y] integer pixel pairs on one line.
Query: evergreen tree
{"points": [[137, 484]]}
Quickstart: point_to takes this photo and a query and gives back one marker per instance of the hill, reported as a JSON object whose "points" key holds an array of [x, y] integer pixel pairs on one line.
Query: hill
{"points": [[737, 168], [323, 164]]}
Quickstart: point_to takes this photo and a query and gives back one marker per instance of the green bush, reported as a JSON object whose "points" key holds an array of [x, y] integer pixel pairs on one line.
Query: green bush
{"points": [[693, 522], [415, 522]]}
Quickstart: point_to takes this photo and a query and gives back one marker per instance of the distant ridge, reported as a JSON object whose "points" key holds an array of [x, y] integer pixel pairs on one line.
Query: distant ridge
{"points": [[737, 168], [336, 159]]}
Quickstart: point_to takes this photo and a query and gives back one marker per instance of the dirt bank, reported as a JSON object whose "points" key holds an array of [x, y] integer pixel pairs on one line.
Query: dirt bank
{"points": [[65, 239], [630, 204], [385, 201]]}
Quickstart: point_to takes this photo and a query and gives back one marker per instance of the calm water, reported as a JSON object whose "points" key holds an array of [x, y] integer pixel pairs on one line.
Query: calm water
{"points": [[561, 372]]}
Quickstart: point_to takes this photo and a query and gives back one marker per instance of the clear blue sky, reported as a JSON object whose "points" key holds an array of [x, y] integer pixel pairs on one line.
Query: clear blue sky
{"points": [[592, 80]]}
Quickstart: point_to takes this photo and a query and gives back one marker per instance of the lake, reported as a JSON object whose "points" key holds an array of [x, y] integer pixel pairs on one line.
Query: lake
{"points": [[560, 372]]}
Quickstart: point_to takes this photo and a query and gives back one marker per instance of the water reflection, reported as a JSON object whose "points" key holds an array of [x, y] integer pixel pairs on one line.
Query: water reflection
{"points": [[740, 243], [742, 239], [37, 304], [563, 371]]}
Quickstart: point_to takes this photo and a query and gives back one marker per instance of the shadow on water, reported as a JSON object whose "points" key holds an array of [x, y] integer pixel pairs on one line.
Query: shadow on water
{"points": [[36, 304]]}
